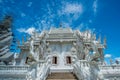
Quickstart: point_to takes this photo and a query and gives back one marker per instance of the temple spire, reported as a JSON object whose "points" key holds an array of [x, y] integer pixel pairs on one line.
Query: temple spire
{"points": [[99, 39], [60, 25], [18, 42], [23, 40], [104, 42], [93, 36], [27, 37]]}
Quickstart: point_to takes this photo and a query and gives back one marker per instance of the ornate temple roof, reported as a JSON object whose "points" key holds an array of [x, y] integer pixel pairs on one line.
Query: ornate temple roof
{"points": [[5, 39], [7, 55], [60, 30]]}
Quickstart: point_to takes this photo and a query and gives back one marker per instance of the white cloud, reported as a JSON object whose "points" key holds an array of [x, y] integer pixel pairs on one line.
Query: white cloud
{"points": [[107, 55], [23, 14], [29, 4], [21, 30], [118, 58], [81, 26], [70, 11], [90, 21], [64, 24], [73, 8], [28, 31], [95, 6]]}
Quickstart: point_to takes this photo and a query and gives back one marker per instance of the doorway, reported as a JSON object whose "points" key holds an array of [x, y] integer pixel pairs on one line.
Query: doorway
{"points": [[54, 60], [68, 60]]}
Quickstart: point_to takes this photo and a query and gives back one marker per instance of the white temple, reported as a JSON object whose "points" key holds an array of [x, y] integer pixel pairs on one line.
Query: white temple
{"points": [[57, 54]]}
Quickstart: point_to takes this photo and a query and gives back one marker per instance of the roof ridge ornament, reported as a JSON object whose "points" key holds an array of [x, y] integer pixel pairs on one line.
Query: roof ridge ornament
{"points": [[60, 26], [99, 38], [105, 42]]}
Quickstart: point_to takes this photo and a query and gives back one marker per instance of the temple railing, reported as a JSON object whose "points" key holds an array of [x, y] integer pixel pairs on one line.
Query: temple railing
{"points": [[77, 72], [106, 67], [81, 69], [13, 69], [84, 63], [110, 69], [60, 39], [43, 69]]}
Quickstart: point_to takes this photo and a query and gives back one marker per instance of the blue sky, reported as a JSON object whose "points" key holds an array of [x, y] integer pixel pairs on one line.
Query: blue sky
{"points": [[101, 16]]}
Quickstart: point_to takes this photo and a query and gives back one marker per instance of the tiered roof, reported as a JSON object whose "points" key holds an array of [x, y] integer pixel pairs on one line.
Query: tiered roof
{"points": [[5, 39]]}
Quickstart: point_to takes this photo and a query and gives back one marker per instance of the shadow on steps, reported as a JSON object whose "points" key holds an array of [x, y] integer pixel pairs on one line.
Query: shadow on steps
{"points": [[61, 76]]}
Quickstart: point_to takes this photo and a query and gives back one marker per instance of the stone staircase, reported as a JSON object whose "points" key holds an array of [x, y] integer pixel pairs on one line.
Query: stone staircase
{"points": [[62, 76]]}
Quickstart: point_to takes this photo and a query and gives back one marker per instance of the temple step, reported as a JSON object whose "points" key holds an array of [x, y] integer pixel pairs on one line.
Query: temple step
{"points": [[61, 79], [61, 76]]}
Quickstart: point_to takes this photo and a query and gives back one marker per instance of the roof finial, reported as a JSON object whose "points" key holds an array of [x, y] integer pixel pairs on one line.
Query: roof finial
{"points": [[18, 42], [99, 39], [60, 25], [105, 42], [23, 40]]}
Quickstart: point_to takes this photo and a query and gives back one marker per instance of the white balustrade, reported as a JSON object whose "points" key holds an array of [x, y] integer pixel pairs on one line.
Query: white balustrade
{"points": [[110, 69], [43, 70], [13, 69], [81, 69]]}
